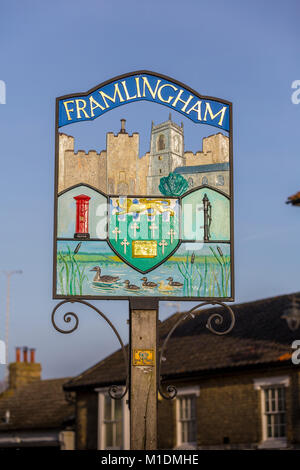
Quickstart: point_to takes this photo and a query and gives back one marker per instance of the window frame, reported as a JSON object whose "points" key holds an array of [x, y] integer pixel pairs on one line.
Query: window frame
{"points": [[187, 392], [101, 440], [220, 180], [161, 140], [262, 385]]}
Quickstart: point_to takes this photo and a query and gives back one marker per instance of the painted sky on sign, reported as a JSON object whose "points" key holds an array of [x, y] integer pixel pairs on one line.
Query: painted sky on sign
{"points": [[245, 52]]}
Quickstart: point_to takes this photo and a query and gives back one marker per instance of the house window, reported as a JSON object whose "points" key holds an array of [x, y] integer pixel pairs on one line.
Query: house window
{"points": [[186, 416], [187, 419], [274, 412], [113, 422]]}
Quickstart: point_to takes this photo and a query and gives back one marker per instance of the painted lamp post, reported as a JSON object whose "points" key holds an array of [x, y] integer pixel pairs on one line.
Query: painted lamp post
{"points": [[82, 217], [207, 217]]}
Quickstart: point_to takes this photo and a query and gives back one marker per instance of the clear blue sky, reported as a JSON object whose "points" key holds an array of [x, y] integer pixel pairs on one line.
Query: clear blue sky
{"points": [[246, 52]]}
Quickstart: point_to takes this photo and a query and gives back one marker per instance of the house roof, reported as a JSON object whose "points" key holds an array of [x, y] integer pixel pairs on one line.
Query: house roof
{"points": [[260, 336], [39, 405], [202, 168], [294, 199]]}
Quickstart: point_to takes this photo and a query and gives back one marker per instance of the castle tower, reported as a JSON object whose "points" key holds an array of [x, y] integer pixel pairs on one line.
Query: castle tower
{"points": [[122, 159], [166, 153]]}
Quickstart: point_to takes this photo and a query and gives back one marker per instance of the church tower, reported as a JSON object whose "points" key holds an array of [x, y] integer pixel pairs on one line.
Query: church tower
{"points": [[166, 153]]}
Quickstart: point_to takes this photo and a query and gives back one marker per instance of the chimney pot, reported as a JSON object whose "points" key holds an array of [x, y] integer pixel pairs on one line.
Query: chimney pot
{"points": [[123, 131], [25, 356], [32, 355], [18, 354]]}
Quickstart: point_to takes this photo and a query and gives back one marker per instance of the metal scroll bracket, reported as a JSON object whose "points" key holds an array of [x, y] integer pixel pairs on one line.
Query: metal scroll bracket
{"points": [[115, 391], [215, 318]]}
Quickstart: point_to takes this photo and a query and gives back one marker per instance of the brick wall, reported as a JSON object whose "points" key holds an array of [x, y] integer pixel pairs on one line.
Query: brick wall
{"points": [[86, 420], [229, 411]]}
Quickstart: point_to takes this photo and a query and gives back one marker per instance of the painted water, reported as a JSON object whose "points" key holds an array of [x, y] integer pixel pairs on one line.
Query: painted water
{"points": [[202, 271]]}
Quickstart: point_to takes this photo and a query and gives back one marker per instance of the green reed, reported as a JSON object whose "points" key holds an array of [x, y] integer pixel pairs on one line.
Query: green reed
{"points": [[225, 269], [202, 280], [71, 277]]}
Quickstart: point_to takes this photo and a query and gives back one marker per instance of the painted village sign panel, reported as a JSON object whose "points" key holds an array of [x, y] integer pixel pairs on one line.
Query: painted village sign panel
{"points": [[157, 225]]}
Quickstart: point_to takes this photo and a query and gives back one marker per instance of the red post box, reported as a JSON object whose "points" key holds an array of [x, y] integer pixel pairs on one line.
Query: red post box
{"points": [[82, 216]]}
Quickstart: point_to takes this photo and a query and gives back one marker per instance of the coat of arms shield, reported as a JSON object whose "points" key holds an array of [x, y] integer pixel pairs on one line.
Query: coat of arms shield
{"points": [[144, 231]]}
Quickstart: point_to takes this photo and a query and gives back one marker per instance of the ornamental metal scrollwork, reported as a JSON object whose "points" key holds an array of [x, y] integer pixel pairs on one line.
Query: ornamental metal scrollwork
{"points": [[115, 391], [215, 318]]}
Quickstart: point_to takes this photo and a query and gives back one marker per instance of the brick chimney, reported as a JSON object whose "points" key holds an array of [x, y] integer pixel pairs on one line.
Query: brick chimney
{"points": [[23, 372]]}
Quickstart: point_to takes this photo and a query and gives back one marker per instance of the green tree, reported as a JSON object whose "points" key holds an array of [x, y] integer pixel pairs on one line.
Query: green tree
{"points": [[173, 185]]}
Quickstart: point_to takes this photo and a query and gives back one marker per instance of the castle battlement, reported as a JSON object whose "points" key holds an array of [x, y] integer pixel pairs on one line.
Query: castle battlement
{"points": [[90, 153], [124, 134], [120, 170]]}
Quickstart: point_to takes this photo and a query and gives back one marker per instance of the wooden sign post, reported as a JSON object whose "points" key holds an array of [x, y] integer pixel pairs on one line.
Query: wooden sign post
{"points": [[143, 375]]}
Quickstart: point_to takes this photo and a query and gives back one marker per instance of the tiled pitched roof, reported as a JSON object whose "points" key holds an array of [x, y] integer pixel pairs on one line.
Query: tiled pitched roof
{"points": [[202, 168], [39, 405], [260, 336]]}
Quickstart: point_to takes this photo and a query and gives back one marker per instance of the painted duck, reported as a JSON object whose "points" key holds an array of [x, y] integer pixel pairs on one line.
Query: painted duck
{"points": [[148, 283], [130, 286], [164, 287], [103, 279], [174, 283]]}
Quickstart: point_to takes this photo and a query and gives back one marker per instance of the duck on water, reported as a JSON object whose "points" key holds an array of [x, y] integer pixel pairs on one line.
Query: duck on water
{"points": [[174, 283], [103, 279], [130, 286], [149, 284]]}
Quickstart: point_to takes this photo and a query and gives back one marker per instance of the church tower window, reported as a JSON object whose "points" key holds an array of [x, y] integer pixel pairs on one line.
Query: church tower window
{"points": [[176, 143], [161, 143], [220, 180]]}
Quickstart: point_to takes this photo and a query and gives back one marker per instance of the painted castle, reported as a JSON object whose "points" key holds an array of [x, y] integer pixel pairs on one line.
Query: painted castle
{"points": [[120, 170]]}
